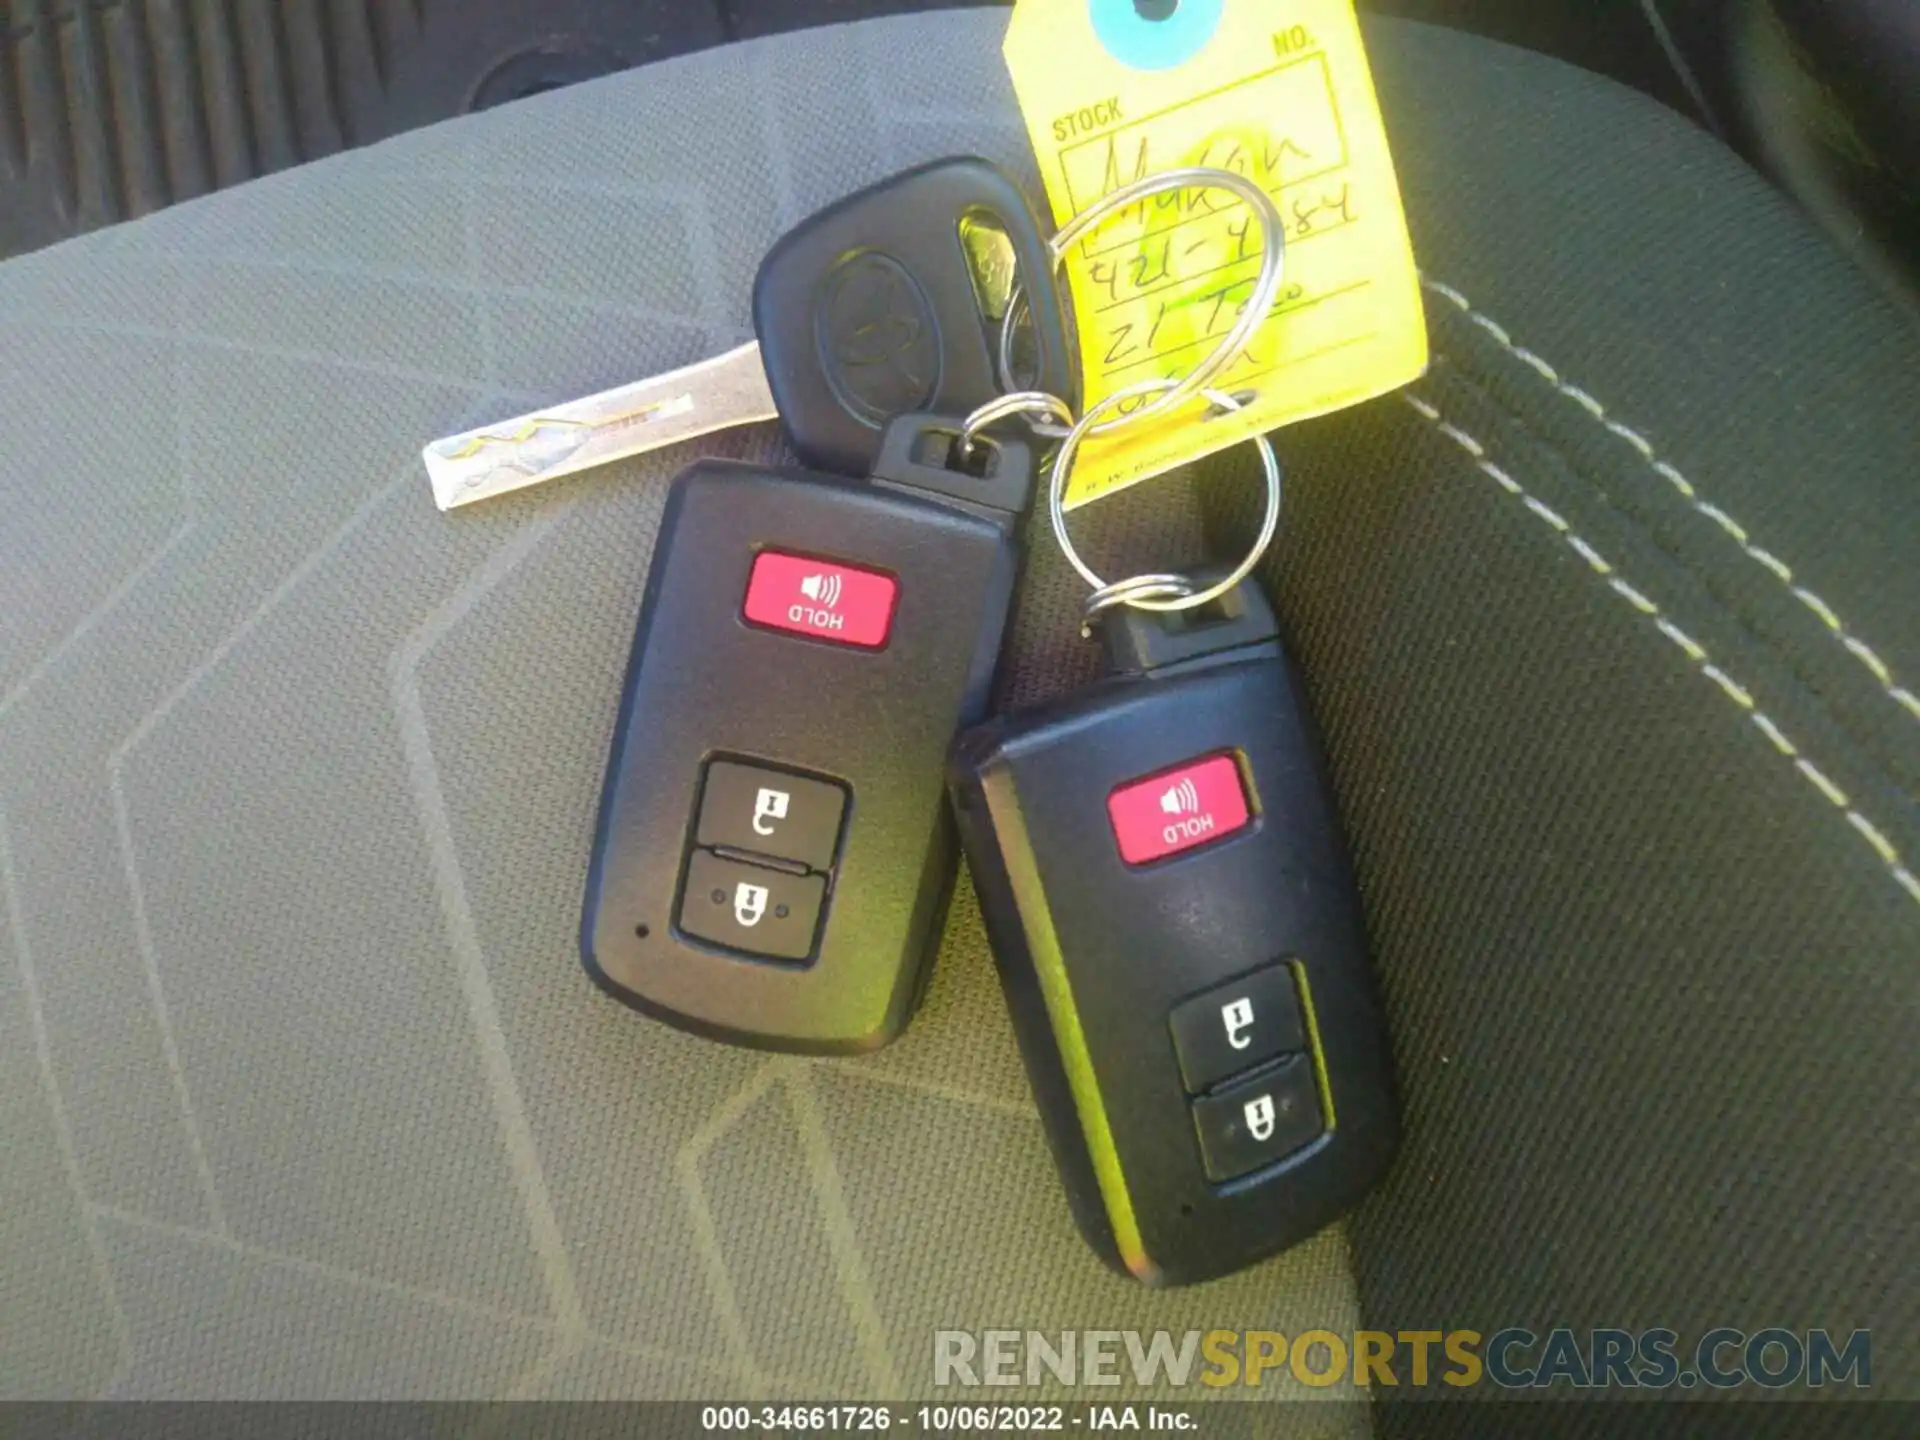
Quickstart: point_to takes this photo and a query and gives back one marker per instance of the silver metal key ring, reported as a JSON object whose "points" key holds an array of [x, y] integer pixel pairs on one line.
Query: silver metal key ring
{"points": [[1036, 406], [1155, 592], [1266, 289], [1128, 592]]}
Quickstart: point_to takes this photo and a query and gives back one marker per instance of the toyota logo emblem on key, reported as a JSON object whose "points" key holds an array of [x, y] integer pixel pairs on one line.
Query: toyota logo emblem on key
{"points": [[879, 342]]}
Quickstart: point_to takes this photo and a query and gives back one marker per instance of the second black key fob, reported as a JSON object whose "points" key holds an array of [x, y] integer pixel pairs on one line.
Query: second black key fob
{"points": [[774, 853], [1176, 927]]}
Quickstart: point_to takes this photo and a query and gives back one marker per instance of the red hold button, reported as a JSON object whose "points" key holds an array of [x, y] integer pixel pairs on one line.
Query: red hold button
{"points": [[820, 598], [1176, 810]]}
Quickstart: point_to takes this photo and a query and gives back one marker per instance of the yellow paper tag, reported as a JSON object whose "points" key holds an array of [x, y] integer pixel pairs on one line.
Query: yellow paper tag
{"points": [[1278, 91]]}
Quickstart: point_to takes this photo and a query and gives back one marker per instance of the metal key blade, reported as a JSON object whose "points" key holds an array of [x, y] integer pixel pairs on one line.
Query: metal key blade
{"points": [[716, 394]]}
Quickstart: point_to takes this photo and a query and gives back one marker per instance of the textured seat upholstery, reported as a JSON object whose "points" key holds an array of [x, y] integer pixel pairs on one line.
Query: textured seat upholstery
{"points": [[302, 1089]]}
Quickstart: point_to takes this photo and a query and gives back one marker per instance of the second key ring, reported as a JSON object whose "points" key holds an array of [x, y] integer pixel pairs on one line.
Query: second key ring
{"points": [[1253, 314], [1164, 593]]}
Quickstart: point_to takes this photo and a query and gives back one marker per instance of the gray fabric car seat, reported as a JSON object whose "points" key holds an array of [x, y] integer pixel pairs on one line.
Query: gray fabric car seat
{"points": [[1610, 622]]}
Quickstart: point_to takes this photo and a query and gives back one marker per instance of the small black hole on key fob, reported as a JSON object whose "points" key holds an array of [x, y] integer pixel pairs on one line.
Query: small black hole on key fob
{"points": [[1223, 611], [979, 459], [949, 450], [929, 456]]}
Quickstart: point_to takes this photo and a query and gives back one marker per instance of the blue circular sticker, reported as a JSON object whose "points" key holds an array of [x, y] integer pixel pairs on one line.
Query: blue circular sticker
{"points": [[1155, 34]]}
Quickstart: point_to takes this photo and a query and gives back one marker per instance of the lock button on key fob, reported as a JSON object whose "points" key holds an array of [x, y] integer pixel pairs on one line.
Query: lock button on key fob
{"points": [[1257, 1121], [752, 909], [1232, 1028], [770, 812]]}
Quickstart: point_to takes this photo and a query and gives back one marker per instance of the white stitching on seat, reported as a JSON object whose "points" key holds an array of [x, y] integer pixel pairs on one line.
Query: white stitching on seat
{"points": [[1464, 440], [1773, 733], [1635, 598], [1856, 647], [1694, 651], [1590, 555], [1550, 515]]}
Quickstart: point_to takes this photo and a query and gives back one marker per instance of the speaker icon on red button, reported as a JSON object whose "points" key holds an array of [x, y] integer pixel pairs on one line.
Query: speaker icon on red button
{"points": [[843, 604], [1195, 804], [823, 589]]}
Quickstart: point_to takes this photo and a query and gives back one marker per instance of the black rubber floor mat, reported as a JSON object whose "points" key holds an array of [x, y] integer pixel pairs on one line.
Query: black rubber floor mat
{"points": [[111, 109]]}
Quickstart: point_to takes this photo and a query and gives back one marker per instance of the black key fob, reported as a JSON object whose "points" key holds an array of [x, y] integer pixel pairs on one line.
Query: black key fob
{"points": [[1175, 923], [774, 853], [889, 302]]}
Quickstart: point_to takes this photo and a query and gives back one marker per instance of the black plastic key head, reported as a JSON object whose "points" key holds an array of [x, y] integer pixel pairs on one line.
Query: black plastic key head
{"points": [[890, 301]]}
